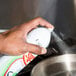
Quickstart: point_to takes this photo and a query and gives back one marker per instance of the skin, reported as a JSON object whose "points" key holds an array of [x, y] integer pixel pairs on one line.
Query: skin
{"points": [[13, 41]]}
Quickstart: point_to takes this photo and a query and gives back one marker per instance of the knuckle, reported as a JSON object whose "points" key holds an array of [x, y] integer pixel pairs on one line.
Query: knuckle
{"points": [[39, 18]]}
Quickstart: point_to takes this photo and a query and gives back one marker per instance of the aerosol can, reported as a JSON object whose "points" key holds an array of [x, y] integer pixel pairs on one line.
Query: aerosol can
{"points": [[11, 65]]}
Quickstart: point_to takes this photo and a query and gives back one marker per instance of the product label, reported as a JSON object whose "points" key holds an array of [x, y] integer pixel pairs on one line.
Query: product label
{"points": [[11, 65]]}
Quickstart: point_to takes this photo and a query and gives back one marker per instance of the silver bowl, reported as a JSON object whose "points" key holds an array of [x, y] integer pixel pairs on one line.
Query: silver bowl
{"points": [[63, 65]]}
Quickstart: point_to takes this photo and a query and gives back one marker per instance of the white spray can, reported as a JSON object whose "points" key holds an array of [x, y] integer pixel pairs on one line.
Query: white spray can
{"points": [[11, 65]]}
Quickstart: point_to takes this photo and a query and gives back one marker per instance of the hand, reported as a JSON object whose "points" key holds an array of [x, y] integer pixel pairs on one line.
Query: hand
{"points": [[13, 41]]}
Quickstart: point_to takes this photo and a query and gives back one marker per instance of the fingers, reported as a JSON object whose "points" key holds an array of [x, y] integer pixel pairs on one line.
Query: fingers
{"points": [[34, 49], [34, 23], [40, 21]]}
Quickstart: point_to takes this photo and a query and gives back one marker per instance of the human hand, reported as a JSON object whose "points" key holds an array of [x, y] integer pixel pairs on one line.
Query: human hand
{"points": [[13, 41]]}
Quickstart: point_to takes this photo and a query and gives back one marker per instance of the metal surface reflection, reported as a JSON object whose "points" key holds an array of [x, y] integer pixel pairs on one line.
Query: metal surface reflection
{"points": [[64, 65]]}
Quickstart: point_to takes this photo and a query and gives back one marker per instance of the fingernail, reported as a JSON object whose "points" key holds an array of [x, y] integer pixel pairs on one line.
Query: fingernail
{"points": [[44, 51]]}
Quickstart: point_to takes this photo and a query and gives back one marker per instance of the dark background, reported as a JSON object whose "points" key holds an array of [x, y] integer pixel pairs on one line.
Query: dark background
{"points": [[60, 13]]}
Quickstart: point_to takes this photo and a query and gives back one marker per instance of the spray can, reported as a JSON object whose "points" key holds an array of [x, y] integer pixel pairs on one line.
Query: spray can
{"points": [[11, 65]]}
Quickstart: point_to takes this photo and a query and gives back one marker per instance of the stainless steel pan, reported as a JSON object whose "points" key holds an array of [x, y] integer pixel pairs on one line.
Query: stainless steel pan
{"points": [[64, 65]]}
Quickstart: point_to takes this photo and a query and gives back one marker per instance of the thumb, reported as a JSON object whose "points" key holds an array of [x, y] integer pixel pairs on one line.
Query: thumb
{"points": [[35, 49]]}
